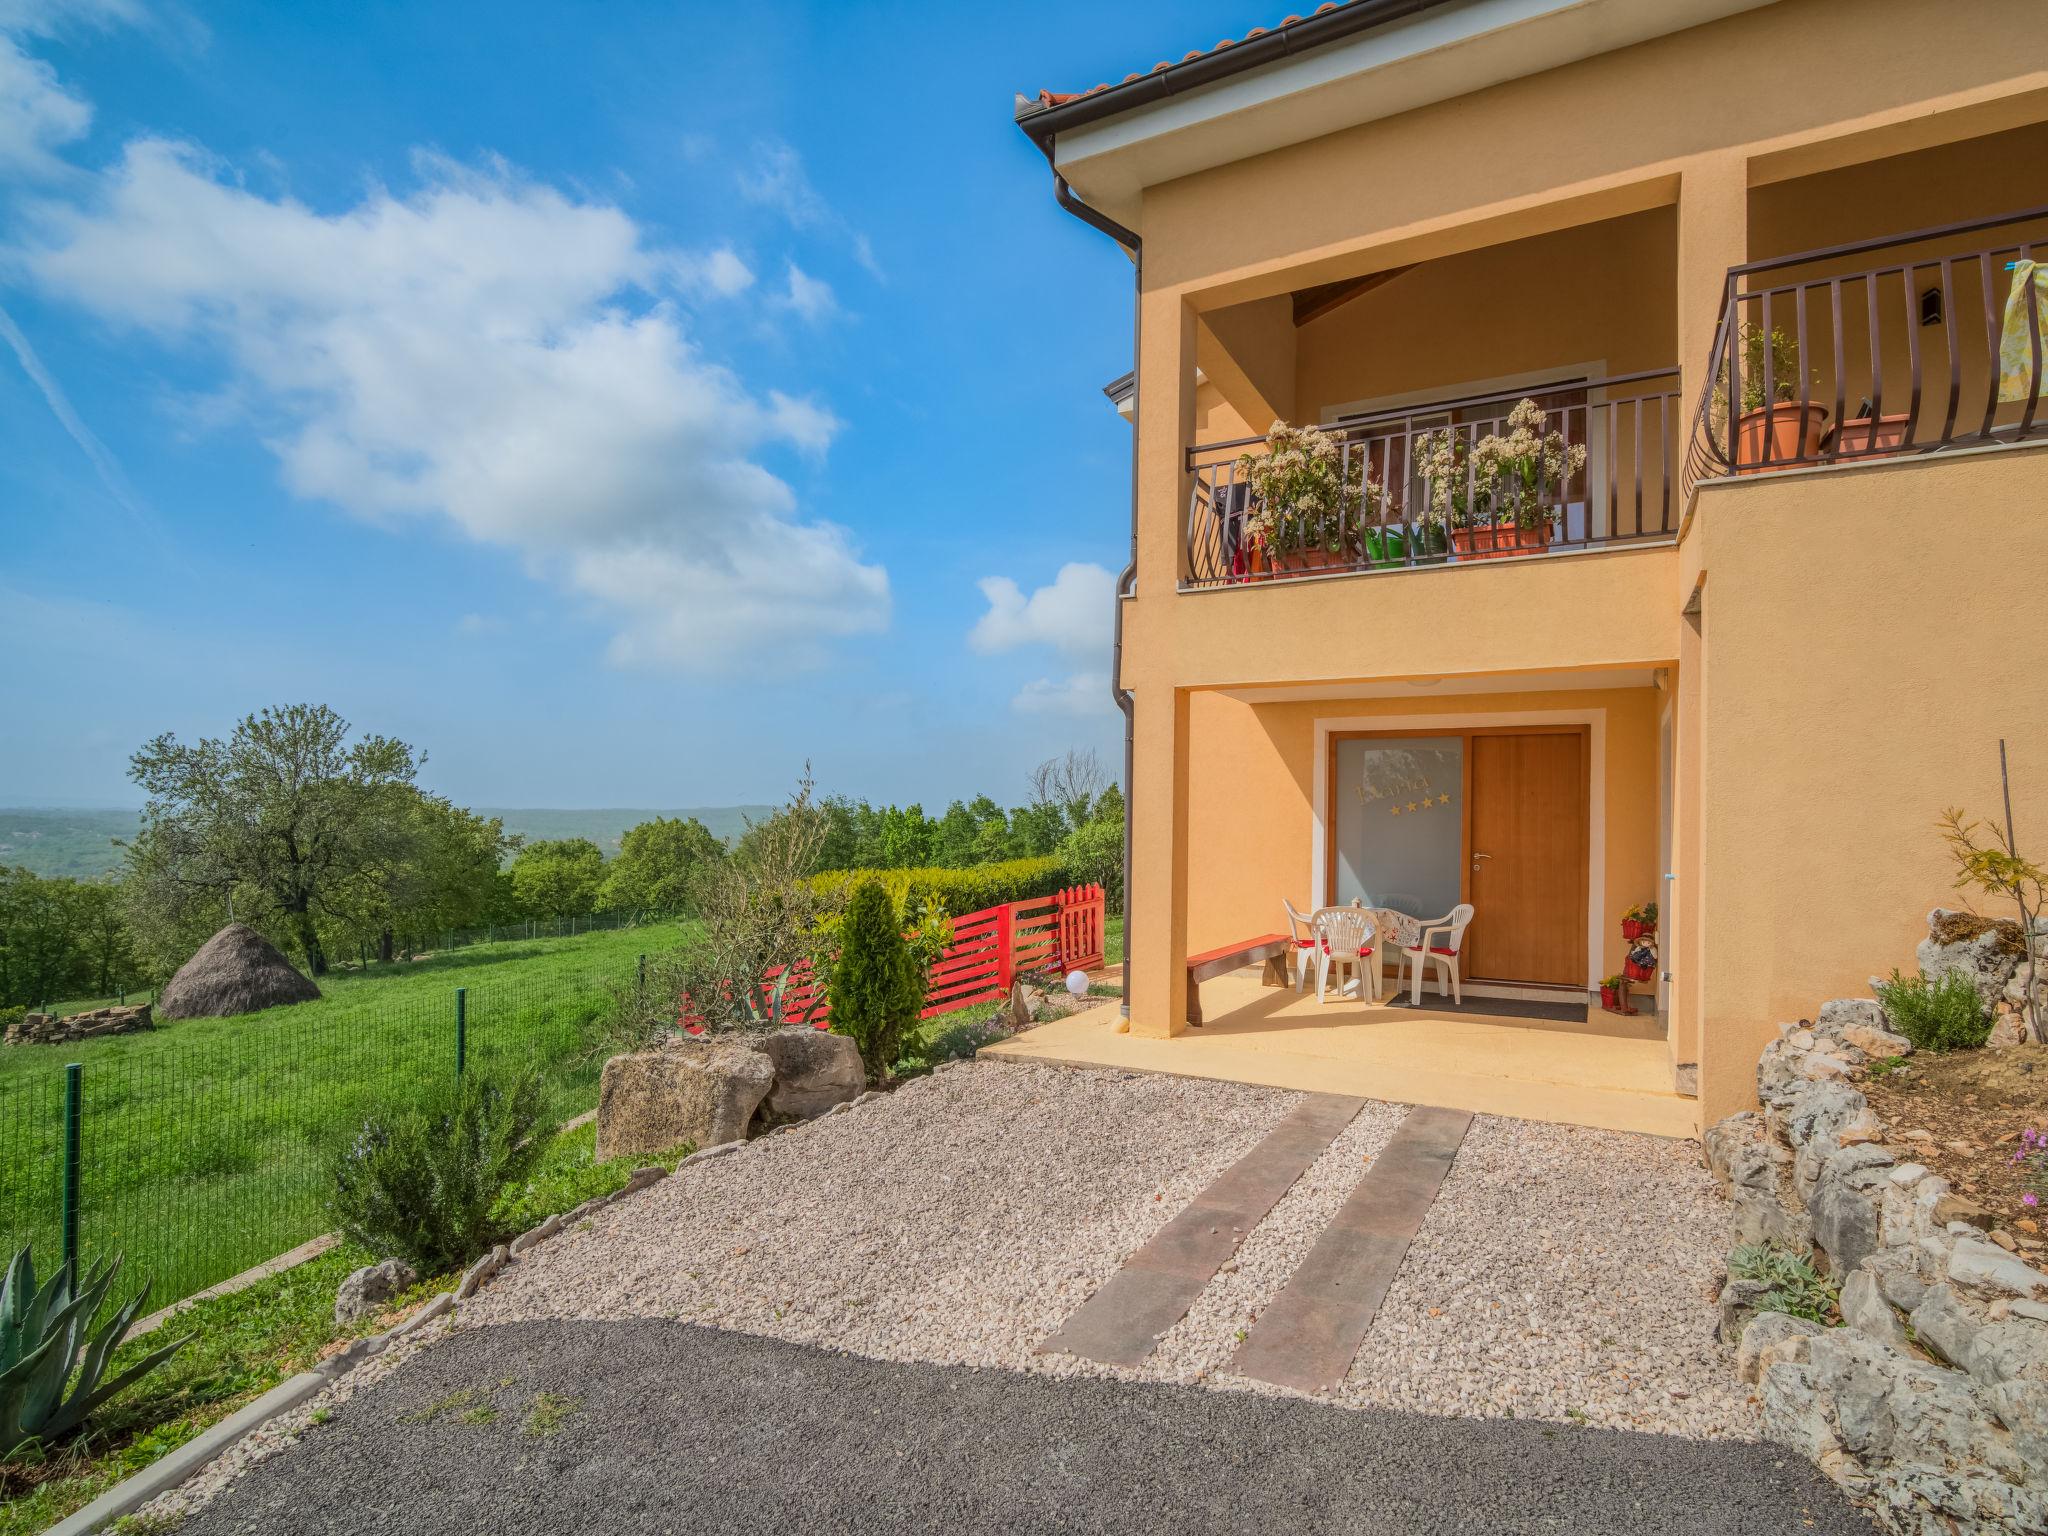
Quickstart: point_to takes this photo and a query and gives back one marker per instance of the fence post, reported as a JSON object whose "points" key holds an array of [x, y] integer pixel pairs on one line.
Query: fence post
{"points": [[461, 1030], [641, 983], [1006, 945], [74, 1086]]}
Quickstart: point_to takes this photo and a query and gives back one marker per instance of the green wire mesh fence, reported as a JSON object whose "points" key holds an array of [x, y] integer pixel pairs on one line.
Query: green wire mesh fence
{"points": [[201, 1147]]}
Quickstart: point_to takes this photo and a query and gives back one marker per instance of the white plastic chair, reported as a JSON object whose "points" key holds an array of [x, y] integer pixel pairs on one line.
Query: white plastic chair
{"points": [[1439, 945], [1301, 927], [1345, 935]]}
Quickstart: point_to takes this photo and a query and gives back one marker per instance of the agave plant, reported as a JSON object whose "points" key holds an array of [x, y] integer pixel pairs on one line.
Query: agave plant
{"points": [[51, 1357]]}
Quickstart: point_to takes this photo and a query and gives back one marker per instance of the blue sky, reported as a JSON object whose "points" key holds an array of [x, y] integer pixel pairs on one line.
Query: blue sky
{"points": [[622, 402]]}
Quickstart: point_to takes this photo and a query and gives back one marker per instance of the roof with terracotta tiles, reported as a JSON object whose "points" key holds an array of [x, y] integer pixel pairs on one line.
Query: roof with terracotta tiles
{"points": [[1046, 99]]}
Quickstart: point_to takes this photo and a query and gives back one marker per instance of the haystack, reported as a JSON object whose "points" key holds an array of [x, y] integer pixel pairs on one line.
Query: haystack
{"points": [[235, 971]]}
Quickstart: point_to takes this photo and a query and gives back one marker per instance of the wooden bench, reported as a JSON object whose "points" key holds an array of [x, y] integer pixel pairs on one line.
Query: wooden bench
{"points": [[1272, 948]]}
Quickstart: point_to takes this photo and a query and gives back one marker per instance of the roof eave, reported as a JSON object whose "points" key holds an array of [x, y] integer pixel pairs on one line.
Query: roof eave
{"points": [[1044, 124]]}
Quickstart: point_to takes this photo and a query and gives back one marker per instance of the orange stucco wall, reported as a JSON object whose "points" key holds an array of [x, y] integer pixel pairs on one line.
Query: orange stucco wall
{"points": [[1860, 663]]}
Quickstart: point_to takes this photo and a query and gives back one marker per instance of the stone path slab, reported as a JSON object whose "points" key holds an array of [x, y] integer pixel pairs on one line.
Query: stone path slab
{"points": [[1309, 1336], [1122, 1322]]}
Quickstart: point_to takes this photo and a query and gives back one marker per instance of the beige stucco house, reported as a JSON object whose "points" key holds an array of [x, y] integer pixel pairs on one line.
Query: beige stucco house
{"points": [[1737, 668]]}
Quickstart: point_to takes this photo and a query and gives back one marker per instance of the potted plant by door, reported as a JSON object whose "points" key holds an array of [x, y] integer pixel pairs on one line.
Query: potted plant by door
{"points": [[1641, 964], [1614, 993], [1790, 426], [1309, 499], [1639, 920]]}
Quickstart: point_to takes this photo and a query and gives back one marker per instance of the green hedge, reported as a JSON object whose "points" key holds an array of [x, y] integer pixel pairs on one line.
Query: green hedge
{"points": [[962, 890]]}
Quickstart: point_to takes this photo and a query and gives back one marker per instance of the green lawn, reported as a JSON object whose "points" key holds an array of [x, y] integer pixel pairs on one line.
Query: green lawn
{"points": [[202, 1143], [245, 1344]]}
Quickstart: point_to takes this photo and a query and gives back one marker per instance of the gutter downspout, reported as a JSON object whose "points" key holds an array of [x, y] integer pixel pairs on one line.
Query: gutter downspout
{"points": [[1127, 579]]}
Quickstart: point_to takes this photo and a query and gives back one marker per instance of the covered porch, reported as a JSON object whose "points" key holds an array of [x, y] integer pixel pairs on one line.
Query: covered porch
{"points": [[1556, 1060]]}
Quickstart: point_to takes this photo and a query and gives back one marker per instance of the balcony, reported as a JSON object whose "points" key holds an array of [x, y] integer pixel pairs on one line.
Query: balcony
{"points": [[1587, 464], [1910, 344]]}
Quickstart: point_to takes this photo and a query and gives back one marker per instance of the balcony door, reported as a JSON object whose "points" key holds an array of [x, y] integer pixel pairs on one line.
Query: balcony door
{"points": [[1423, 820]]}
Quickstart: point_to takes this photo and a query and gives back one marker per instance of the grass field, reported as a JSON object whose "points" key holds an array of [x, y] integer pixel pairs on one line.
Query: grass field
{"points": [[202, 1143]]}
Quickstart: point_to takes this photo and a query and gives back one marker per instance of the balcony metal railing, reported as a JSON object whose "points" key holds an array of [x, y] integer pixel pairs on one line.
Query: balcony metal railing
{"points": [[1396, 513], [1835, 359]]}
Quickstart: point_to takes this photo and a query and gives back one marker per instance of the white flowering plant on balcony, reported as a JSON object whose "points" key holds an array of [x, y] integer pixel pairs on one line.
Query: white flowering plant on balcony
{"points": [[1519, 476], [1307, 493]]}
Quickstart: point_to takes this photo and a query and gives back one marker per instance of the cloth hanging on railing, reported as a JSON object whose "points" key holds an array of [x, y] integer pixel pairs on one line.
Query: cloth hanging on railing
{"points": [[2016, 379]]}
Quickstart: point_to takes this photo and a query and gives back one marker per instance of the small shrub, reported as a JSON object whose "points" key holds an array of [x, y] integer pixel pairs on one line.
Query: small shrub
{"points": [[877, 984], [1944, 1015], [1795, 1286], [421, 1178], [2032, 1157]]}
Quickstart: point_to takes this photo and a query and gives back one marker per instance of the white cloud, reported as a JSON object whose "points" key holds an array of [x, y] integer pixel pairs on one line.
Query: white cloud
{"points": [[1080, 696], [1072, 614], [809, 296], [491, 351], [717, 274], [37, 114], [776, 179]]}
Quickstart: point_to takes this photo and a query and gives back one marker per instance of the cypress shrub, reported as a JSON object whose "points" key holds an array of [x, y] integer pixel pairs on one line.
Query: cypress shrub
{"points": [[875, 986]]}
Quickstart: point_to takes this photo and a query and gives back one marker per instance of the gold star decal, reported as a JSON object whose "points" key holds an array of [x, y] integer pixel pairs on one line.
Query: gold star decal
{"points": [[1443, 799], [1393, 810], [1411, 806]]}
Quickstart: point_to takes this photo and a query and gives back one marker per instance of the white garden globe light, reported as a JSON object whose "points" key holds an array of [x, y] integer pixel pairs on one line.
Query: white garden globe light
{"points": [[1077, 983]]}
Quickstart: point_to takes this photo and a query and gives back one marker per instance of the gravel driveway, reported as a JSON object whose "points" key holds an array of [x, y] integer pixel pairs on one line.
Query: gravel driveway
{"points": [[1562, 1273], [570, 1428]]}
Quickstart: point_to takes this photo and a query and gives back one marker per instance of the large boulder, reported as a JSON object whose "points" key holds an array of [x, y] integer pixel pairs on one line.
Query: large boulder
{"points": [[702, 1092], [235, 971], [814, 1070]]}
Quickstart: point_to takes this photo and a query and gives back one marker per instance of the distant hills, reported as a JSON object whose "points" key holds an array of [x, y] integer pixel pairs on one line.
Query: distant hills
{"points": [[80, 843]]}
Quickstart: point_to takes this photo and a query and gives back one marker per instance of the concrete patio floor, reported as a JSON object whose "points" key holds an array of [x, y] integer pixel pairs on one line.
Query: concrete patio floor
{"points": [[1607, 1072]]}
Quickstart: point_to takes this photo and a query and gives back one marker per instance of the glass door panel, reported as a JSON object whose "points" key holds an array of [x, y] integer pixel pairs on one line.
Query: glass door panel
{"points": [[1400, 822]]}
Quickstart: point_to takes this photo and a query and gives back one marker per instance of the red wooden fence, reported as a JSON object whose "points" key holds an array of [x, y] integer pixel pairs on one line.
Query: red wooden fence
{"points": [[1062, 932]]}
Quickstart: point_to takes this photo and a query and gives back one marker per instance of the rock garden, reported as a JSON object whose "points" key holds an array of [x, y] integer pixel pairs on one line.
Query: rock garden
{"points": [[1888, 1288]]}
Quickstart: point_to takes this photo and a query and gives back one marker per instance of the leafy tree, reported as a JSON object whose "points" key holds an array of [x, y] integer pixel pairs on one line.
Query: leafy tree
{"points": [[876, 983], [660, 865], [1067, 786], [437, 868], [104, 959], [280, 822], [38, 957], [558, 877], [1094, 852]]}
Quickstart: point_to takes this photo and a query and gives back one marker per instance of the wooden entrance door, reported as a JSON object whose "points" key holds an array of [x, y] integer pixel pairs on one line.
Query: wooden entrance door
{"points": [[1527, 853]]}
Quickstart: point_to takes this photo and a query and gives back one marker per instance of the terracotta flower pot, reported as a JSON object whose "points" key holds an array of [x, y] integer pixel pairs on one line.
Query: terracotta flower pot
{"points": [[1631, 929], [1791, 428], [1312, 560], [1485, 543], [1636, 972], [1868, 437], [1610, 999]]}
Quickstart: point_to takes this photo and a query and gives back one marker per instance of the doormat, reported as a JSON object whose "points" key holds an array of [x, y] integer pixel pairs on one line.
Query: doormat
{"points": [[1500, 1008]]}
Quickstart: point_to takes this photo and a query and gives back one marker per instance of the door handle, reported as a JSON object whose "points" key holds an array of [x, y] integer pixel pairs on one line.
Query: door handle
{"points": [[1477, 857]]}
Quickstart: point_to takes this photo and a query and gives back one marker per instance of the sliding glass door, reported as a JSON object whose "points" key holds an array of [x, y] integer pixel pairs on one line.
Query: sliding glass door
{"points": [[1399, 813]]}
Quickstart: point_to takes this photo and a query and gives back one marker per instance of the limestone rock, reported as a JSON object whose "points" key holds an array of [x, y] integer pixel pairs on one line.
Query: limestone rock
{"points": [[1845, 1013], [1979, 1265], [1865, 1309], [814, 1070], [2022, 1407], [1770, 1338], [369, 1290], [1988, 958], [701, 1092]]}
